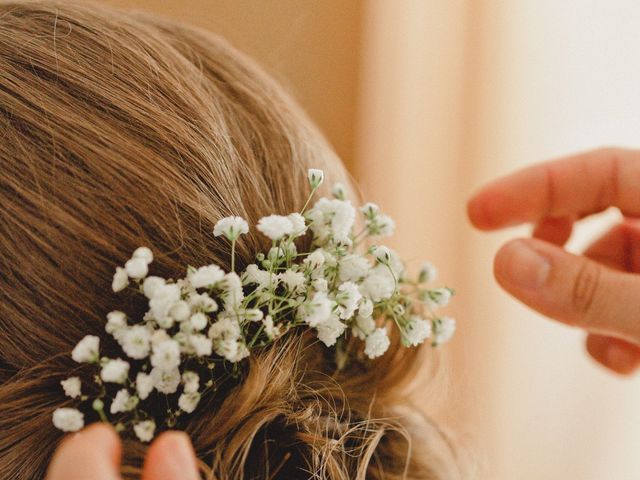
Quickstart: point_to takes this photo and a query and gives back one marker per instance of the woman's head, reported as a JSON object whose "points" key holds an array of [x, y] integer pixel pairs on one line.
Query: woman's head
{"points": [[122, 130]]}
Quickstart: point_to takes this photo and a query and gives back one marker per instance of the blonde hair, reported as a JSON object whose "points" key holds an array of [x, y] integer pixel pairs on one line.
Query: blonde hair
{"points": [[121, 130]]}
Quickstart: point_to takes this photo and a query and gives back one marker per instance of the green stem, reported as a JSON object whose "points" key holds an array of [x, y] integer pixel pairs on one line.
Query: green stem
{"points": [[306, 204], [233, 256]]}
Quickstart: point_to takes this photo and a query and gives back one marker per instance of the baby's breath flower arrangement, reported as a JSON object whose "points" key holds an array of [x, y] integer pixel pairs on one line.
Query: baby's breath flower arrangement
{"points": [[346, 285]]}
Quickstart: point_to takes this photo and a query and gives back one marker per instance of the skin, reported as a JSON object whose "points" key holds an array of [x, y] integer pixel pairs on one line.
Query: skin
{"points": [[598, 291], [94, 453]]}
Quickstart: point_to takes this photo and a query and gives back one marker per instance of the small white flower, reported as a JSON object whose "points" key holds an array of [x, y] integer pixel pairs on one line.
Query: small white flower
{"points": [[202, 301], [339, 191], [231, 227], [180, 311], [115, 371], [382, 254], [159, 336], [275, 226], [376, 343], [120, 280], [166, 355], [320, 285], [254, 275], [428, 273], [145, 430], [188, 401], [241, 352], [294, 281], [348, 299], [315, 259], [378, 285], [87, 350], [353, 268], [370, 210], [150, 285], [272, 331], [366, 307], [416, 331], [116, 321], [329, 331], [68, 419], [443, 330], [135, 342], [332, 218], [165, 381], [164, 297], [136, 268], [72, 387], [299, 224], [191, 382], [232, 294], [123, 402], [206, 276], [316, 177], [364, 326], [439, 297], [381, 225], [226, 328], [143, 253], [202, 346], [144, 385], [317, 310], [198, 321]]}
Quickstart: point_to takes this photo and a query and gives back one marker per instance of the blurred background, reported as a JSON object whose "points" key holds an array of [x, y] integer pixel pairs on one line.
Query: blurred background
{"points": [[427, 99]]}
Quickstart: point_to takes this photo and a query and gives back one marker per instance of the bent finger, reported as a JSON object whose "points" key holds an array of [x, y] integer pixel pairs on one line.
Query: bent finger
{"points": [[554, 230], [577, 185], [570, 288], [615, 354], [619, 248], [93, 453]]}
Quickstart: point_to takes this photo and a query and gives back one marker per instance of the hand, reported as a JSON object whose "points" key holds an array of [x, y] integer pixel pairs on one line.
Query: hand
{"points": [[598, 291], [94, 454]]}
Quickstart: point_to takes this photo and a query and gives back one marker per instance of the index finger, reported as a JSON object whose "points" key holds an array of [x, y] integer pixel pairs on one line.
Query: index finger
{"points": [[577, 185]]}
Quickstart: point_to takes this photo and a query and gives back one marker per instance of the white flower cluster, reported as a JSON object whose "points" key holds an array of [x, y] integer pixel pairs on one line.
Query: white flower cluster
{"points": [[339, 289]]}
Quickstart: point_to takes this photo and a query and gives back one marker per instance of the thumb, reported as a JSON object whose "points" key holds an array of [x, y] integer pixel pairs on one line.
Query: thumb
{"points": [[569, 288], [93, 453]]}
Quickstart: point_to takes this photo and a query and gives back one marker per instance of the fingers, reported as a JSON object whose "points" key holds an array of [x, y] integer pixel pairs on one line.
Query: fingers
{"points": [[615, 354], [94, 453], [619, 248], [577, 185], [554, 230], [571, 289], [171, 457]]}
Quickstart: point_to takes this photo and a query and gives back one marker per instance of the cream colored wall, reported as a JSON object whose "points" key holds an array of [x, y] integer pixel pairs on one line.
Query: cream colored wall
{"points": [[310, 46], [431, 98]]}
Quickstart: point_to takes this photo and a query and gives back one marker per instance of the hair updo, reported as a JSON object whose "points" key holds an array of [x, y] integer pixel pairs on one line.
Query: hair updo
{"points": [[119, 130]]}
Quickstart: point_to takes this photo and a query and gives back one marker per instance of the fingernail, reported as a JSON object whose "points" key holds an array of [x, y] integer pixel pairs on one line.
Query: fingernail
{"points": [[620, 358], [526, 267]]}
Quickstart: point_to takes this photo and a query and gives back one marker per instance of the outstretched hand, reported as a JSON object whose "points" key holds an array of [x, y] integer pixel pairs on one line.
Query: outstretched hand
{"points": [[94, 454], [598, 291]]}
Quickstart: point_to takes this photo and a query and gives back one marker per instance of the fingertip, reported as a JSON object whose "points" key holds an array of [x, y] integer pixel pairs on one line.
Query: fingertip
{"points": [[171, 456], [614, 354], [93, 452], [479, 213]]}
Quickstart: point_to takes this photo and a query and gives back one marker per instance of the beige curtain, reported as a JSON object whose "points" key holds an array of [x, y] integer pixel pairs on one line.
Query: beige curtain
{"points": [[427, 99]]}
